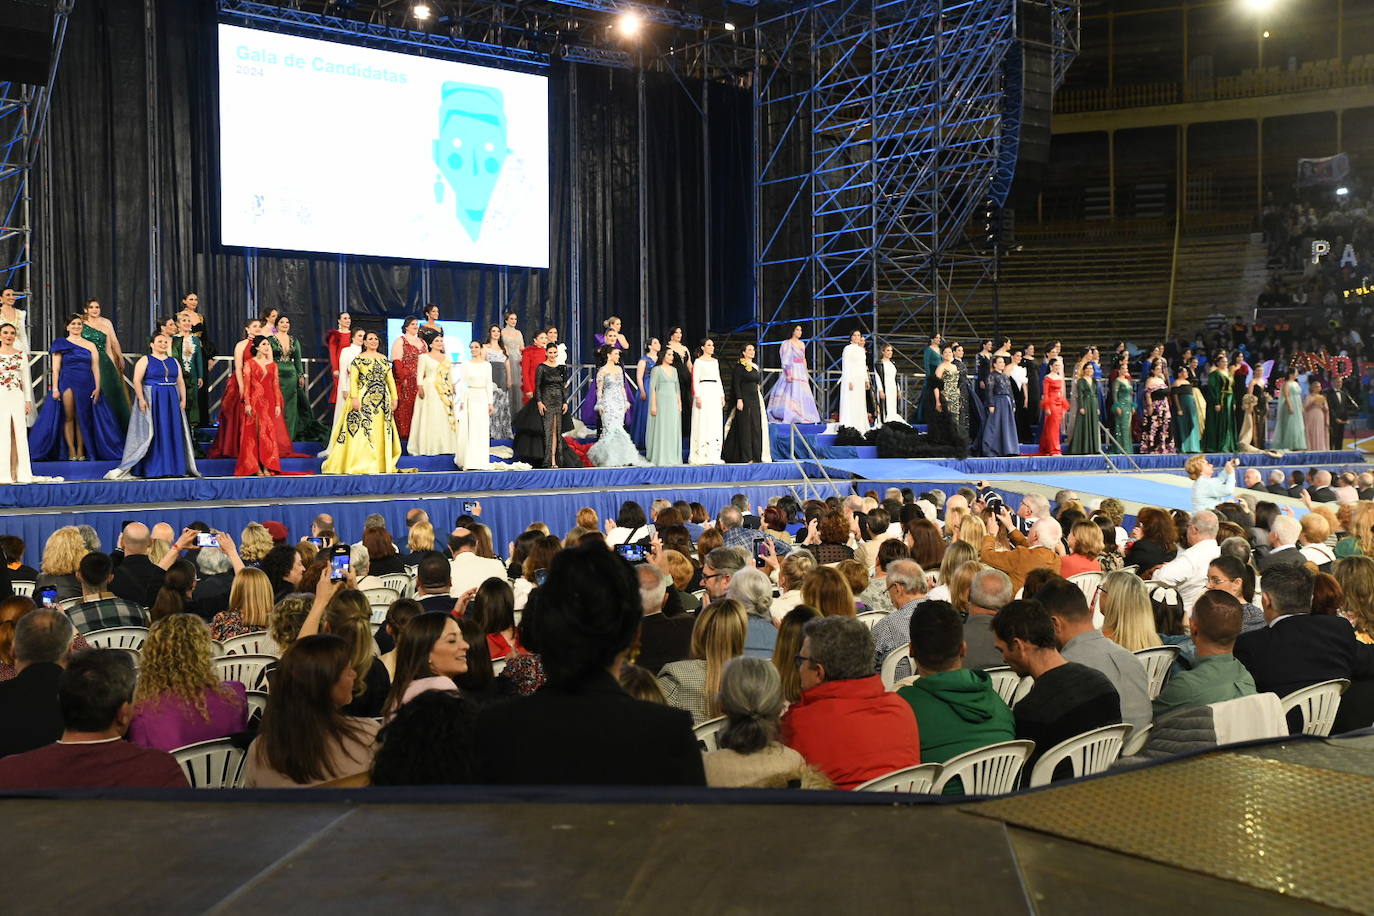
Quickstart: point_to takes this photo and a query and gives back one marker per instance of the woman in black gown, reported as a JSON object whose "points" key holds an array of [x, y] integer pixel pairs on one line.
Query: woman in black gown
{"points": [[745, 429], [540, 424]]}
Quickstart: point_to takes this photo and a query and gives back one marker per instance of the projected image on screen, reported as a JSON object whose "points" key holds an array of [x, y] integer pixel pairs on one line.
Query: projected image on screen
{"points": [[335, 148]]}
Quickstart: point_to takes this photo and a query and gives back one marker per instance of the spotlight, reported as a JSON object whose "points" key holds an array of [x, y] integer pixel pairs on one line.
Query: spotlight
{"points": [[1265, 34], [1341, 192], [420, 11], [630, 24], [1259, 6], [729, 26]]}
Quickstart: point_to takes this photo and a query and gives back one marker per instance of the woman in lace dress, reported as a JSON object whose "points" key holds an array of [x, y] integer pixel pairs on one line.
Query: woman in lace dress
{"points": [[504, 380], [613, 447]]}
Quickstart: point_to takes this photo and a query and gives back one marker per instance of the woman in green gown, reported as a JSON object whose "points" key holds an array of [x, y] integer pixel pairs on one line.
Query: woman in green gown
{"points": [[1289, 433], [1123, 410], [1219, 433], [1086, 438], [301, 424], [1186, 413], [100, 332], [188, 350], [663, 435]]}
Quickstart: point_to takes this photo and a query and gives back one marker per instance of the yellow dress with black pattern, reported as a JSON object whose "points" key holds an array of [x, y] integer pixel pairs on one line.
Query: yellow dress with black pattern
{"points": [[365, 441]]}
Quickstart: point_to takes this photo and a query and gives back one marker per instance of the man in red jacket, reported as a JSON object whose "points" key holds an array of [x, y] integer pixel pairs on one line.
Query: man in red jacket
{"points": [[846, 724]]}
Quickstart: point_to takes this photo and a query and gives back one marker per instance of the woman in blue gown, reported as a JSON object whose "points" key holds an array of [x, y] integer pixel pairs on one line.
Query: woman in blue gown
{"points": [[999, 433], [74, 423], [159, 443], [644, 374], [613, 447]]}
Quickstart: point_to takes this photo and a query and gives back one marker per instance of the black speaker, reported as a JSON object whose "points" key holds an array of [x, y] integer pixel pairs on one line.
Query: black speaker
{"points": [[1037, 99], [26, 37]]}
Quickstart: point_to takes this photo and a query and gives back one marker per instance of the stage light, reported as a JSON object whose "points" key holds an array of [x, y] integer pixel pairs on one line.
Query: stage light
{"points": [[1259, 6], [1265, 34], [1341, 192], [630, 24], [729, 26], [420, 11]]}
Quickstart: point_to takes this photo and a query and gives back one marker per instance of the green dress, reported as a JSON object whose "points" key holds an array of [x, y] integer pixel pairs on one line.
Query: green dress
{"points": [[193, 367], [1189, 435], [1219, 432], [1086, 438], [301, 424], [663, 435], [1289, 433], [112, 387], [1123, 411]]}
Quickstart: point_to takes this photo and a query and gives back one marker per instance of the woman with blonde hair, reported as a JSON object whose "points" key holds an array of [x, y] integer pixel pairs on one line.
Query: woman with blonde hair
{"points": [[792, 572], [856, 574], [1128, 618], [587, 518], [250, 606], [1085, 546], [972, 530], [254, 543], [826, 590], [179, 699], [287, 616], [956, 555], [1360, 541], [961, 584], [61, 556], [692, 684], [788, 646], [1356, 578], [419, 541]]}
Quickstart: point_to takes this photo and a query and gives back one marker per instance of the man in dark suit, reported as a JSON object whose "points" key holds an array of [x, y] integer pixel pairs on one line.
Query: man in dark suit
{"points": [[1253, 480], [1276, 483], [1341, 407], [1284, 531], [432, 578], [29, 714], [1296, 488], [1297, 649], [1321, 491], [662, 639], [1366, 486], [138, 578]]}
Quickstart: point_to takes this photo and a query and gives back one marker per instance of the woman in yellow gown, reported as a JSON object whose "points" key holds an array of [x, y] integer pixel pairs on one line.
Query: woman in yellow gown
{"points": [[364, 439]]}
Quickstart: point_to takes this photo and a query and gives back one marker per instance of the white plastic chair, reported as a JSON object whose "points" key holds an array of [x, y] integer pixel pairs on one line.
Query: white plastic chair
{"points": [[869, 618], [917, 780], [1157, 661], [1318, 704], [1022, 689], [211, 764], [257, 704], [1087, 583], [402, 583], [380, 596], [1088, 753], [1135, 740], [22, 588], [250, 644], [1004, 681], [246, 669], [991, 770], [117, 638], [889, 669], [706, 734]]}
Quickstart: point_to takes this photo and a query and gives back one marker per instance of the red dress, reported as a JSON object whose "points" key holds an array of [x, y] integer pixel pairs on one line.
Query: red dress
{"points": [[335, 341], [226, 444], [1054, 405], [404, 370], [264, 436], [530, 359]]}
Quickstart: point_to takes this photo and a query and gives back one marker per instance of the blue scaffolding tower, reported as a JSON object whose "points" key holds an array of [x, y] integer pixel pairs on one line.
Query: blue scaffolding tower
{"points": [[886, 133]]}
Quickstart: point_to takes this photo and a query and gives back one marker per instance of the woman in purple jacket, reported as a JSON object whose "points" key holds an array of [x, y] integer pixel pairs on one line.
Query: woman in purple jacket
{"points": [[179, 699]]}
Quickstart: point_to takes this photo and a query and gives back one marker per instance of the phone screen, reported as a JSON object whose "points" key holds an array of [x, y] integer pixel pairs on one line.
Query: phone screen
{"points": [[469, 505], [318, 542], [47, 596], [540, 575], [207, 540], [338, 567], [634, 553]]}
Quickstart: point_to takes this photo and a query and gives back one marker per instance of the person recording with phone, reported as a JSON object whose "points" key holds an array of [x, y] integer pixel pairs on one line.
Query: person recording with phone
{"points": [[1211, 486]]}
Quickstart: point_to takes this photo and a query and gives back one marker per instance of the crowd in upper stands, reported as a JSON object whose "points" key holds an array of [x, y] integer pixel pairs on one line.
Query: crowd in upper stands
{"points": [[557, 661]]}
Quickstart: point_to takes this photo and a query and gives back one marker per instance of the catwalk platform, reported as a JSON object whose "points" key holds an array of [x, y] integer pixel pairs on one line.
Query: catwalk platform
{"points": [[1260, 829]]}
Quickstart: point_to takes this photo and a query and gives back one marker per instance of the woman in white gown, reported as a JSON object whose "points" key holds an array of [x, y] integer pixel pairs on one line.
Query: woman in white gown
{"points": [[613, 447], [854, 384], [16, 406], [474, 403], [501, 376], [887, 387], [346, 356], [708, 407], [434, 427]]}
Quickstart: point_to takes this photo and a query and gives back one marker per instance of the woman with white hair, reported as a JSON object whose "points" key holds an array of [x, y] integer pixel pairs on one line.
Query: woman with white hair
{"points": [[754, 591], [750, 754]]}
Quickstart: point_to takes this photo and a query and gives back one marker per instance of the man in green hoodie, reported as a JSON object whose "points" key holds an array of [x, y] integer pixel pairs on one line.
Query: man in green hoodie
{"points": [[957, 710]]}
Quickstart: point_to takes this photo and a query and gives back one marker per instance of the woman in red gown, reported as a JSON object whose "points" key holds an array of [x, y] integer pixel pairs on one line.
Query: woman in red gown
{"points": [[405, 361], [335, 341], [530, 359], [1054, 405], [230, 431], [264, 436]]}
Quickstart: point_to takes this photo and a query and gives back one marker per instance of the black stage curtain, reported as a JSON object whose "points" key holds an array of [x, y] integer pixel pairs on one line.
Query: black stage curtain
{"points": [[104, 176]]}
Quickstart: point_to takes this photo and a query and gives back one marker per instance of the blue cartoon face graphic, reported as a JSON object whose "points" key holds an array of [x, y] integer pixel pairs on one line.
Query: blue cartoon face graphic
{"points": [[471, 149]]}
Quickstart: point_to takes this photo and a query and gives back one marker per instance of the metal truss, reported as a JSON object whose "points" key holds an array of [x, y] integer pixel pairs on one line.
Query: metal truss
{"points": [[885, 131]]}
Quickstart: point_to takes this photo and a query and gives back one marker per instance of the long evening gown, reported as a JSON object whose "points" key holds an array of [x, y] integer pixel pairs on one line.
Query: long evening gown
{"points": [[947, 425], [1188, 415], [588, 411], [999, 433], [229, 428], [1289, 432], [681, 358], [926, 409], [474, 397], [1219, 432], [366, 441], [1028, 415], [664, 433], [208, 353], [14, 431], [1123, 412], [746, 433], [159, 441], [1054, 404], [104, 438], [853, 388], [1086, 438], [791, 400], [887, 387], [1316, 420], [1157, 438], [300, 421], [513, 342], [111, 382], [263, 435], [189, 352], [1254, 406], [550, 390], [434, 427], [346, 357], [708, 420], [974, 412], [613, 447], [640, 427], [531, 358], [500, 394], [335, 342], [405, 370]]}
